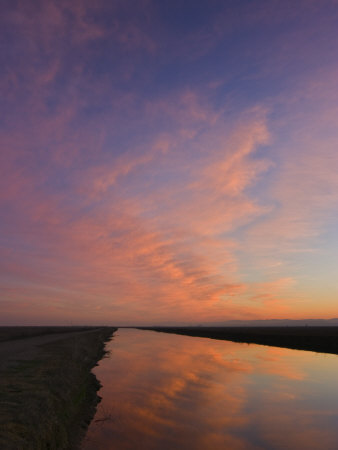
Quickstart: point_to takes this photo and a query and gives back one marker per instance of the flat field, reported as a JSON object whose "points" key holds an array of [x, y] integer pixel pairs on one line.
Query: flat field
{"points": [[317, 339], [10, 333]]}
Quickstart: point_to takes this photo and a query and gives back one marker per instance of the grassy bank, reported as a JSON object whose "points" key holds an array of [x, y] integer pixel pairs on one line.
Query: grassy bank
{"points": [[47, 402], [317, 339]]}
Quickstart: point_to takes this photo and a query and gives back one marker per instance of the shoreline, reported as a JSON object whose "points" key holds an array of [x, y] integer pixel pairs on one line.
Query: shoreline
{"points": [[310, 338], [49, 396]]}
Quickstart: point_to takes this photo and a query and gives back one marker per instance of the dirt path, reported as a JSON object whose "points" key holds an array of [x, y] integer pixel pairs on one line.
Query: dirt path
{"points": [[28, 348]]}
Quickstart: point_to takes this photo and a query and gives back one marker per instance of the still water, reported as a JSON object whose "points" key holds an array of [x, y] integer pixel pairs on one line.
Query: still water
{"points": [[164, 391]]}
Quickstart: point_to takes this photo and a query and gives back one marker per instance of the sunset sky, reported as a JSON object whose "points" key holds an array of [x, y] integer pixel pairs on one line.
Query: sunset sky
{"points": [[168, 161]]}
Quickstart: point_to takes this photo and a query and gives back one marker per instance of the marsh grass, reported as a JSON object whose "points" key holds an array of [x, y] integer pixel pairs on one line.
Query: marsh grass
{"points": [[48, 402]]}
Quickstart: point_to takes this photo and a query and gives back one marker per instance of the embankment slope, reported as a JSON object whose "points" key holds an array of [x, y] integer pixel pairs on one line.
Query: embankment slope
{"points": [[48, 393]]}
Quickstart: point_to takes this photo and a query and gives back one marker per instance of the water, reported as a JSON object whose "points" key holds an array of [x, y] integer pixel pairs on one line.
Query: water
{"points": [[164, 391]]}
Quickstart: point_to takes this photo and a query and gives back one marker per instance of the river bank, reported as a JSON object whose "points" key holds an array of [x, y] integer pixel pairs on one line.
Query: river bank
{"points": [[316, 338], [48, 393]]}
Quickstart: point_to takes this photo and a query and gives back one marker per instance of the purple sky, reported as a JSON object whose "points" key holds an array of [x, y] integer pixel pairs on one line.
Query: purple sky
{"points": [[168, 162]]}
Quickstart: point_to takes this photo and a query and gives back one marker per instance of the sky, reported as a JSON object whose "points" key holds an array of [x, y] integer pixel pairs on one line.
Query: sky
{"points": [[168, 162]]}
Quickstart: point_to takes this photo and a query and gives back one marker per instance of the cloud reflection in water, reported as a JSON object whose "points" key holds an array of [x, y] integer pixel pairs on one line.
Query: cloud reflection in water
{"points": [[166, 391]]}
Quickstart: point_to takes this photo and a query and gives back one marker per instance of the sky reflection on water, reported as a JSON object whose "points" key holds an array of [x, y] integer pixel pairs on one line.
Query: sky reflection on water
{"points": [[163, 391]]}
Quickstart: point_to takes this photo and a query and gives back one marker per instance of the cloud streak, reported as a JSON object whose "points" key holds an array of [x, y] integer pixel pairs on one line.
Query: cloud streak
{"points": [[138, 186]]}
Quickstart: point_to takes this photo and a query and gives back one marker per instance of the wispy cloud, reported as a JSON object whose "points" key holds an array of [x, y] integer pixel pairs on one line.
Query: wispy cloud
{"points": [[157, 172]]}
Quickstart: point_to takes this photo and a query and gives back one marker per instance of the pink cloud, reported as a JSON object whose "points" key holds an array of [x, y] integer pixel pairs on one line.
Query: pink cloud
{"points": [[126, 202], [138, 258], [304, 188]]}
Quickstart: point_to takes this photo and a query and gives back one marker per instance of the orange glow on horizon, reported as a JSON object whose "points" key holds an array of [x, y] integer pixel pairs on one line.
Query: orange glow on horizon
{"points": [[156, 169]]}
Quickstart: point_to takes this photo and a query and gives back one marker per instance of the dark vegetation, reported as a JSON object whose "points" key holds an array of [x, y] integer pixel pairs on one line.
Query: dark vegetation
{"points": [[10, 333], [317, 339], [47, 402]]}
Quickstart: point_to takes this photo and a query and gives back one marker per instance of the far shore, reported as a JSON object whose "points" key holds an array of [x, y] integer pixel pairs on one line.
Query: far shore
{"points": [[312, 338]]}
